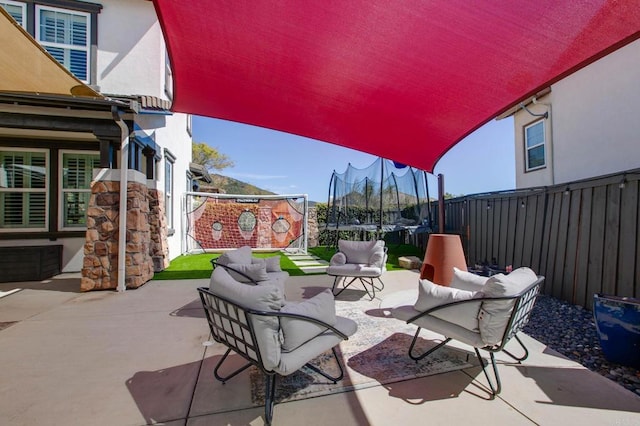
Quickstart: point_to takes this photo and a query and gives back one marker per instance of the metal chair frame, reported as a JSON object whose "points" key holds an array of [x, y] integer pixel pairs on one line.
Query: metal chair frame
{"points": [[239, 336], [523, 305]]}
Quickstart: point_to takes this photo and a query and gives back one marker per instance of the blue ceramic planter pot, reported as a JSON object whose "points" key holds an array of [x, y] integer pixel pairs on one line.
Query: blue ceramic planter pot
{"points": [[618, 323]]}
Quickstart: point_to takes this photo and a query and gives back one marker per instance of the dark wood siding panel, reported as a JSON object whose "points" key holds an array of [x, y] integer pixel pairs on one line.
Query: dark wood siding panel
{"points": [[561, 244], [540, 202], [627, 254], [553, 215], [611, 233], [596, 245], [485, 206], [521, 226], [571, 253], [583, 246]]}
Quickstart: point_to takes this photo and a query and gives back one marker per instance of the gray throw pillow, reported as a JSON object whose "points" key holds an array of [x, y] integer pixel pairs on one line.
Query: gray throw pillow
{"points": [[255, 271], [297, 332]]}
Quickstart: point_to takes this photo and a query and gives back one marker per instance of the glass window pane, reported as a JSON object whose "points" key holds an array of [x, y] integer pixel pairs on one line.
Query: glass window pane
{"points": [[77, 170], [65, 35], [78, 63], [15, 10], [56, 52], [535, 134], [22, 209], [37, 209], [22, 169], [75, 212], [23, 184], [535, 157]]}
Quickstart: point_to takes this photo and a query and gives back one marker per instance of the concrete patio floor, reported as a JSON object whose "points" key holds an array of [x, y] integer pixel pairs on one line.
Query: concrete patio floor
{"points": [[105, 358]]}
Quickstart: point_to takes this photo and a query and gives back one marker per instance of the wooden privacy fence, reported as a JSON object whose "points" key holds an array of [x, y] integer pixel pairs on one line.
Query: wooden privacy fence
{"points": [[582, 236]]}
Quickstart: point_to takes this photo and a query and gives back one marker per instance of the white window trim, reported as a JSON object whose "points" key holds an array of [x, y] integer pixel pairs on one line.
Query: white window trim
{"points": [[86, 48], [47, 185], [169, 158], [527, 147], [168, 76], [23, 6], [61, 191]]}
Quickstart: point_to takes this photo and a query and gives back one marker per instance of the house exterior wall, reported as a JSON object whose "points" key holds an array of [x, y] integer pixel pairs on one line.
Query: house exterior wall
{"points": [[593, 126], [130, 61], [131, 49], [170, 133]]}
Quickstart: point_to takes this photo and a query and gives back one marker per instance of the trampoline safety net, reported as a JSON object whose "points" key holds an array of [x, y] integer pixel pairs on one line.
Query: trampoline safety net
{"points": [[385, 195]]}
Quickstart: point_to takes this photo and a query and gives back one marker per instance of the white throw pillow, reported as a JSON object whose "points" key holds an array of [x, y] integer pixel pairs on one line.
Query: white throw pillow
{"points": [[431, 295], [255, 271], [467, 281], [296, 332], [494, 314], [501, 285]]}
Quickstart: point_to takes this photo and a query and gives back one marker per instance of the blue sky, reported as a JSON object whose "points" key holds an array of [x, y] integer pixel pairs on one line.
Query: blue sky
{"points": [[289, 164]]}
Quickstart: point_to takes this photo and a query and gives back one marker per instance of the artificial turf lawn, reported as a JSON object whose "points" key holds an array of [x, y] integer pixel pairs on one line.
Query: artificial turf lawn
{"points": [[196, 266]]}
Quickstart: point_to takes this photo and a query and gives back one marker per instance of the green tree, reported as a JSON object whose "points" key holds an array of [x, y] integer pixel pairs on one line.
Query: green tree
{"points": [[209, 157]]}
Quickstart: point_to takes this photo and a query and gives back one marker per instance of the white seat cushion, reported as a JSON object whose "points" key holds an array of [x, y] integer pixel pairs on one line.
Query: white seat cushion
{"points": [[354, 270]]}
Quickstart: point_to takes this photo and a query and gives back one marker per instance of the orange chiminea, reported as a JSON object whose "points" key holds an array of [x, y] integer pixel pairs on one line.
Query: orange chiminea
{"points": [[444, 251]]}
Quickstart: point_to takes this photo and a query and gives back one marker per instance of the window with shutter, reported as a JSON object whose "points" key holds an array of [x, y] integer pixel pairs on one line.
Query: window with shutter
{"points": [[23, 190], [65, 35], [76, 175]]}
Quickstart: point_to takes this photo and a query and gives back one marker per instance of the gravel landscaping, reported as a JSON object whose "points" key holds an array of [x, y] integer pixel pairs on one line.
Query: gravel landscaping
{"points": [[571, 331]]}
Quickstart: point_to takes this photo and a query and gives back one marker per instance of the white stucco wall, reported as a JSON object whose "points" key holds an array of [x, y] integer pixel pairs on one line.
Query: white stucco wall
{"points": [[131, 49], [131, 61], [170, 133], [594, 126]]}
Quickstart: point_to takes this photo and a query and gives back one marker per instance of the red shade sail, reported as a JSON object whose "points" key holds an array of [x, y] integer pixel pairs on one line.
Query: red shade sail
{"points": [[404, 80]]}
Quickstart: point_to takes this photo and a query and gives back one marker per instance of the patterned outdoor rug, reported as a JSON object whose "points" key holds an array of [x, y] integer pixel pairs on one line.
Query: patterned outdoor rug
{"points": [[375, 355]]}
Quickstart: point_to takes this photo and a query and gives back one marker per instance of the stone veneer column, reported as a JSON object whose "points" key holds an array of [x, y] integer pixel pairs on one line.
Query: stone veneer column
{"points": [[100, 266], [158, 223]]}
